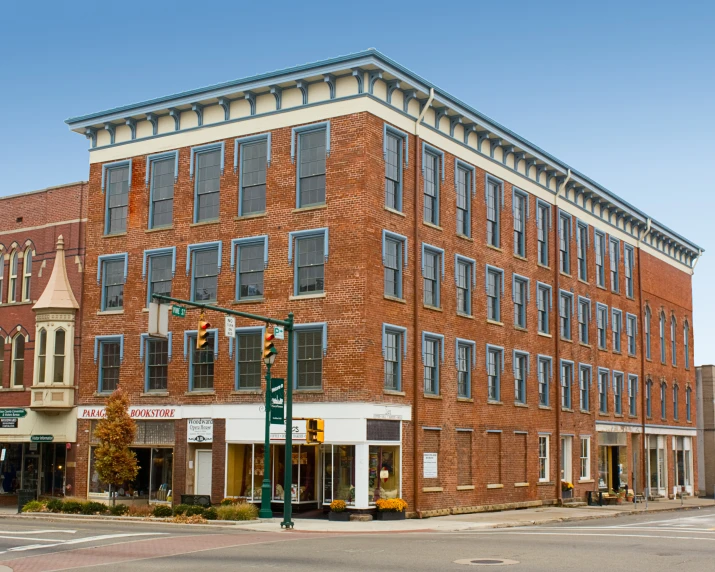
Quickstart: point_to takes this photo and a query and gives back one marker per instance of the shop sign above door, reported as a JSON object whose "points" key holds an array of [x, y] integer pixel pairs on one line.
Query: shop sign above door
{"points": [[42, 438], [8, 423], [278, 432], [200, 430], [150, 412], [13, 413]]}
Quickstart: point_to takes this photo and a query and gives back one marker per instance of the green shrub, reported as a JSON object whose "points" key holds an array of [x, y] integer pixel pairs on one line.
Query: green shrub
{"points": [[210, 513], [243, 511], [93, 507], [72, 507], [34, 506], [55, 505], [118, 510], [193, 510], [180, 509], [162, 511]]}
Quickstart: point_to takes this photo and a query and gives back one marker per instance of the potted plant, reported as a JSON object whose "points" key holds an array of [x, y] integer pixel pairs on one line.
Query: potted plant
{"points": [[566, 490], [338, 511], [390, 509]]}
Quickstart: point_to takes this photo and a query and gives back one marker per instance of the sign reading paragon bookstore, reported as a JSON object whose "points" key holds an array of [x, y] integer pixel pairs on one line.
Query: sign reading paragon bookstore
{"points": [[156, 413], [200, 430]]}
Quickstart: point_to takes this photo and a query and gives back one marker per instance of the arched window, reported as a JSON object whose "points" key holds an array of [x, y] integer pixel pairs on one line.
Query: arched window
{"points": [[2, 274], [649, 398], [12, 287], [688, 405], [662, 399], [673, 334], [686, 343], [646, 329], [27, 275], [662, 337], [41, 356], [59, 357], [2, 357], [675, 401], [18, 360]]}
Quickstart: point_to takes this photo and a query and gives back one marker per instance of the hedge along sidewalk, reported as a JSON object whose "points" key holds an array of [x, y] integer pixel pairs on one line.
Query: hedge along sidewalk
{"points": [[147, 520]]}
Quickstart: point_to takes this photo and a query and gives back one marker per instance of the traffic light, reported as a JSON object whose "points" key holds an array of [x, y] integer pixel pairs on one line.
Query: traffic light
{"points": [[269, 351], [202, 333], [314, 431]]}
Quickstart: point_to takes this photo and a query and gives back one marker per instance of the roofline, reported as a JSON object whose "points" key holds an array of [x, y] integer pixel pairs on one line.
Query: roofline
{"points": [[355, 59], [54, 188]]}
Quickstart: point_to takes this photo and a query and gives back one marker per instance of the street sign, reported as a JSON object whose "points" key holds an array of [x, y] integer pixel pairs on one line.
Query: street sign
{"points": [[178, 311], [278, 332], [13, 413], [277, 401], [6, 423], [230, 327], [42, 438]]}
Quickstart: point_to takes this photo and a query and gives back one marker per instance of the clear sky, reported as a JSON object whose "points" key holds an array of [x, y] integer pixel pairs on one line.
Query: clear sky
{"points": [[621, 90]]}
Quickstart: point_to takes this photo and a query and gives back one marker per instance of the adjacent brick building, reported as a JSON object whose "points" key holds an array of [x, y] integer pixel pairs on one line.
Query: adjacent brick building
{"points": [[471, 311], [38, 420]]}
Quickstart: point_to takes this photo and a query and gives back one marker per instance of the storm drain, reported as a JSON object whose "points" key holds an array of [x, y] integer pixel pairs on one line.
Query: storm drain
{"points": [[486, 562]]}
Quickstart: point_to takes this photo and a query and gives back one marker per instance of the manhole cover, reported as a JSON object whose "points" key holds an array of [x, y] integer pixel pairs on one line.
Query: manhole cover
{"points": [[486, 561]]}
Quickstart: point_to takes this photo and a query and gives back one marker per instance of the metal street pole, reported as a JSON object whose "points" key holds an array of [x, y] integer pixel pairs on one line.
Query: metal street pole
{"points": [[266, 511], [287, 496]]}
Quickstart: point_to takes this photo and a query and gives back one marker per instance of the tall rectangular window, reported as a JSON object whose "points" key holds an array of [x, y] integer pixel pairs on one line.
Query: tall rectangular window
{"points": [[431, 171], [309, 358], [565, 313], [464, 272], [632, 393], [494, 190], [584, 316], [675, 402], [542, 234], [631, 331], [565, 243], [393, 267], [520, 371], [646, 326], [520, 293], [113, 279], [201, 366], [544, 373], [673, 351], [686, 344], [603, 390], [310, 265], [543, 305], [393, 171], [519, 207], [117, 182], [393, 344], [208, 183], [584, 386], [662, 337], [157, 364], [430, 359], [248, 360], [543, 458], [494, 289], [599, 247], [616, 326], [464, 370], [109, 363], [251, 264], [618, 393], [566, 383], [160, 274], [628, 262], [431, 268], [205, 275], [163, 176], [649, 399], [688, 405], [463, 185], [601, 325], [254, 158], [585, 458], [614, 251], [662, 400], [311, 168], [582, 250], [494, 370]]}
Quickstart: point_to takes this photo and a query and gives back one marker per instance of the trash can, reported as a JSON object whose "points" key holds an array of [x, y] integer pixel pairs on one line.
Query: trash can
{"points": [[24, 496]]}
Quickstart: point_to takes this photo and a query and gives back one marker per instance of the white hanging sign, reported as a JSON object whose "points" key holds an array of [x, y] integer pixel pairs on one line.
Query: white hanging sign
{"points": [[200, 430]]}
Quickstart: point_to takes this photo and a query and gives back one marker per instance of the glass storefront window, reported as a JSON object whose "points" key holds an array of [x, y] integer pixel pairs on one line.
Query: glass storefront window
{"points": [[339, 473], [161, 478], [383, 472], [153, 481], [10, 467]]}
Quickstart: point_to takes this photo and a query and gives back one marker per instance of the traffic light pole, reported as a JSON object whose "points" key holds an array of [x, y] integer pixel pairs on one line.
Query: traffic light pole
{"points": [[288, 325], [266, 511]]}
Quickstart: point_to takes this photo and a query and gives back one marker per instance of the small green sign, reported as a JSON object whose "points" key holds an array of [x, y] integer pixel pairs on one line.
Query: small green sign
{"points": [[13, 413], [42, 438], [179, 311], [277, 397]]}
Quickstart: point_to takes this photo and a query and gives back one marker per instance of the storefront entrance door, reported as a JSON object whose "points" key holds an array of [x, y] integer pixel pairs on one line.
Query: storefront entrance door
{"points": [[203, 472], [656, 465]]}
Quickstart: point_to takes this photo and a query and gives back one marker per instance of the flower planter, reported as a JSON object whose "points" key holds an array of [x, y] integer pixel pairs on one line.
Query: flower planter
{"points": [[343, 516], [385, 515]]}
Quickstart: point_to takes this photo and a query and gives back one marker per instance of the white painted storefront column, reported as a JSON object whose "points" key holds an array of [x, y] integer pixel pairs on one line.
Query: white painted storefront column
{"points": [[362, 453]]}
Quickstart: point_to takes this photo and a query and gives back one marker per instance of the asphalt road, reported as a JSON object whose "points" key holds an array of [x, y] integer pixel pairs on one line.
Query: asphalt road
{"points": [[667, 541]]}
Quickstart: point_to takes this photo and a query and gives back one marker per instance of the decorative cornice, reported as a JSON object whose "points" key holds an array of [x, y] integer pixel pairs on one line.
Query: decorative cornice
{"points": [[277, 92], [330, 80], [372, 77], [111, 128], [250, 97], [153, 118], [199, 110], [132, 123], [176, 114], [225, 104], [303, 87], [392, 85]]}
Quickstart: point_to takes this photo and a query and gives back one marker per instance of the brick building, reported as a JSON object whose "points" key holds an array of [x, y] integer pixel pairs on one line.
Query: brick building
{"points": [[477, 321], [41, 263]]}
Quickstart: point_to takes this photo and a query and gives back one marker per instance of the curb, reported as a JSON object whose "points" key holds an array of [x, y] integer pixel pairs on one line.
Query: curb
{"points": [[102, 518]]}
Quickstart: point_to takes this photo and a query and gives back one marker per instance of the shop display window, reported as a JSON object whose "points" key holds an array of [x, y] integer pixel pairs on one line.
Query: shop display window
{"points": [[384, 472], [339, 473]]}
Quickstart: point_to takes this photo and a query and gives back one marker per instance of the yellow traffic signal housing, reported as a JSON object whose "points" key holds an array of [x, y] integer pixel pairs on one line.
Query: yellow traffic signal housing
{"points": [[202, 333], [268, 349], [314, 431]]}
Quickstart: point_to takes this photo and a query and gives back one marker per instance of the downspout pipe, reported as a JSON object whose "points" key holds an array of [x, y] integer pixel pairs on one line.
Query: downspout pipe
{"points": [[644, 381], [416, 384], [557, 337]]}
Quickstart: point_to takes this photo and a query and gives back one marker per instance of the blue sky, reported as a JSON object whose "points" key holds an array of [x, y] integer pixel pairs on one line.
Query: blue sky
{"points": [[623, 91]]}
